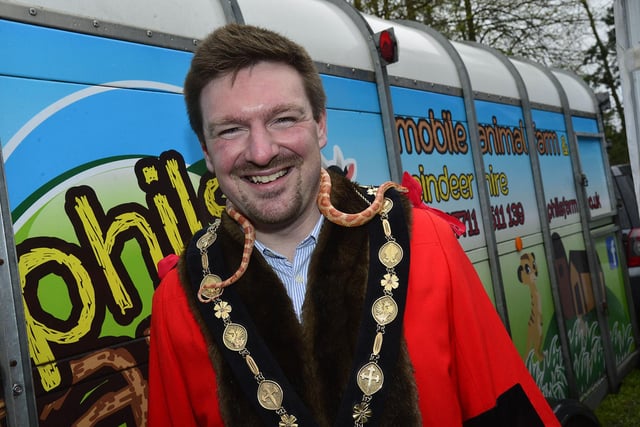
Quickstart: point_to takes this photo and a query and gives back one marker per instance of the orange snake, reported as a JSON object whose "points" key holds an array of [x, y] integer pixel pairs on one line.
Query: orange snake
{"points": [[354, 219], [326, 208]]}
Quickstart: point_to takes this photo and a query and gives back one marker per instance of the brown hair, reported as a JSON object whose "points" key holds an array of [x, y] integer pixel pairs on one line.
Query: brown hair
{"points": [[234, 47]]}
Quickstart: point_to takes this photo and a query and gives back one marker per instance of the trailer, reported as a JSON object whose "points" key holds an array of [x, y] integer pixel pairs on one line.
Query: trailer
{"points": [[101, 177]]}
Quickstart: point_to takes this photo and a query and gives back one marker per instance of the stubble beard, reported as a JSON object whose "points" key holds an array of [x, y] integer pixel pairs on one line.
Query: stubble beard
{"points": [[287, 209], [255, 210], [275, 208]]}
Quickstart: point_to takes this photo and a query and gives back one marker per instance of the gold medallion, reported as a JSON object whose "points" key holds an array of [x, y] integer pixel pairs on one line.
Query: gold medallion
{"points": [[270, 395], [384, 310], [387, 205], [390, 254], [370, 378], [204, 258], [210, 293], [206, 240], [235, 337]]}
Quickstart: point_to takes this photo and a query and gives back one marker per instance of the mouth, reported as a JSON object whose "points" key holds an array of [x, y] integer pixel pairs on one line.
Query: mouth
{"points": [[265, 179]]}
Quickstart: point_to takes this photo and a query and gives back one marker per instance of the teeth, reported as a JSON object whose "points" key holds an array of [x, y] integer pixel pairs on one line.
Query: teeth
{"points": [[266, 179]]}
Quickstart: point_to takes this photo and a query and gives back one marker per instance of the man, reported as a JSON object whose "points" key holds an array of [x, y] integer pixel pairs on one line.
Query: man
{"points": [[312, 302]]}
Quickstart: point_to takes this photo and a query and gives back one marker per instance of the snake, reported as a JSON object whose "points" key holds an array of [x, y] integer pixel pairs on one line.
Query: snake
{"points": [[326, 208], [354, 219], [249, 240]]}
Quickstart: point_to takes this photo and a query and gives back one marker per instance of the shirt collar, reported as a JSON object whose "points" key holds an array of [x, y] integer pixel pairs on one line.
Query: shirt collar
{"points": [[311, 239]]}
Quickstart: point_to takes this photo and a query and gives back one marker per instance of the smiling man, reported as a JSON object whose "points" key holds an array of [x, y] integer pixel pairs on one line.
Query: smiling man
{"points": [[314, 301], [263, 143]]}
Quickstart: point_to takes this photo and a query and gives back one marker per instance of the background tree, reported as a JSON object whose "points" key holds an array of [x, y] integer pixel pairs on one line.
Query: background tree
{"points": [[602, 73], [575, 35]]}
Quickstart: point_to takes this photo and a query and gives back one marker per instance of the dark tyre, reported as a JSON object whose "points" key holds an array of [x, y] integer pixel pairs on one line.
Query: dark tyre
{"points": [[572, 413]]}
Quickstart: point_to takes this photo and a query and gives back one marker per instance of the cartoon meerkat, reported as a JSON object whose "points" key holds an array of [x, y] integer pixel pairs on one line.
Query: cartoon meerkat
{"points": [[528, 275]]}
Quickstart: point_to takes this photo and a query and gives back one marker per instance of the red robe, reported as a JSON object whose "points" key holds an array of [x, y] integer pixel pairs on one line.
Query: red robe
{"points": [[463, 358]]}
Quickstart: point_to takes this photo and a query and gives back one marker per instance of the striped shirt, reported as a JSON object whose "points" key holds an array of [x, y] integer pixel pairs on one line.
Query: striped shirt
{"points": [[294, 274]]}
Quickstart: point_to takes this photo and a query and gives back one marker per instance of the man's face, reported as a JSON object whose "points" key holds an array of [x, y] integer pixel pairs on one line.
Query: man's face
{"points": [[263, 143]]}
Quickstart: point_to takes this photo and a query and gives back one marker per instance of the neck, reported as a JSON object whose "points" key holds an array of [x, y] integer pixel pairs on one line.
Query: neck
{"points": [[285, 240]]}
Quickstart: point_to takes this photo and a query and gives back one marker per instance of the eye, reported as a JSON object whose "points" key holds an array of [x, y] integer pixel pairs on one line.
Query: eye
{"points": [[228, 133], [284, 121]]}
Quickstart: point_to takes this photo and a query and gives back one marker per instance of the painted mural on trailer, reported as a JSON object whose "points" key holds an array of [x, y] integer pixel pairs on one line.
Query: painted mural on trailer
{"points": [[434, 144]]}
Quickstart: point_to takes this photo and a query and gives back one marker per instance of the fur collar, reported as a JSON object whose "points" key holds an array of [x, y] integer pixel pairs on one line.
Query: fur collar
{"points": [[317, 354]]}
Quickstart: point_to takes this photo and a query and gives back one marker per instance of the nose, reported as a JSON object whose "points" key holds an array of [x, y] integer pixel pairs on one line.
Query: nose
{"points": [[262, 145]]}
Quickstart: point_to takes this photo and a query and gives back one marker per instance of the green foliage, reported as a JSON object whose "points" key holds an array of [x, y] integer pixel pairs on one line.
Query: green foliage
{"points": [[618, 150], [622, 409]]}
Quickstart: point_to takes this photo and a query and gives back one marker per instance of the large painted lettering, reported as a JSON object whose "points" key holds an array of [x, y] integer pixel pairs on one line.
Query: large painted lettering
{"points": [[93, 272], [447, 180], [37, 258]]}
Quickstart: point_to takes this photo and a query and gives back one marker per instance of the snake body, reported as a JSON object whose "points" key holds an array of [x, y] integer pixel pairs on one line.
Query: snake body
{"points": [[326, 208], [353, 219]]}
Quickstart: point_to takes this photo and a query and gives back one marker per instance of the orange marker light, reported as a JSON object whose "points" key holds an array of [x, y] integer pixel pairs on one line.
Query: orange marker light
{"points": [[518, 244]]}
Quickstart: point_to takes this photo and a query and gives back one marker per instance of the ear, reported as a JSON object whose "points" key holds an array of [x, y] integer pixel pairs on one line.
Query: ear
{"points": [[322, 129]]}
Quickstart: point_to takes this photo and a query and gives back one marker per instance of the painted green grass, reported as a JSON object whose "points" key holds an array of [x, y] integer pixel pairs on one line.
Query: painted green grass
{"points": [[585, 344], [622, 409], [549, 373]]}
